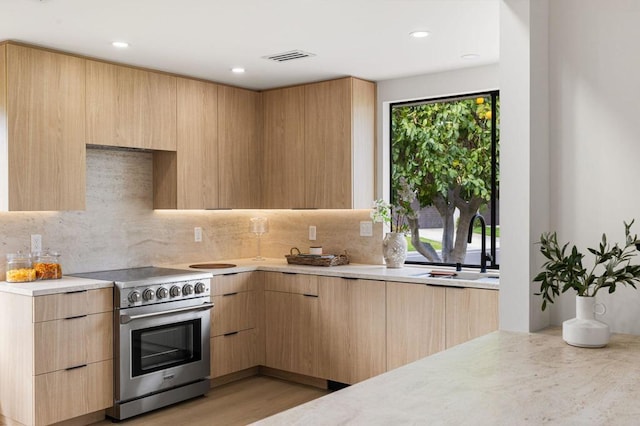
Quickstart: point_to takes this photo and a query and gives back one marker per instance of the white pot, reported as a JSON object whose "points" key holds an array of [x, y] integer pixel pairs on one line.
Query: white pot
{"points": [[394, 249], [585, 330]]}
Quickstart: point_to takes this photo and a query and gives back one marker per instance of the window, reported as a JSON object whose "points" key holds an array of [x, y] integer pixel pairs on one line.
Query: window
{"points": [[447, 151]]}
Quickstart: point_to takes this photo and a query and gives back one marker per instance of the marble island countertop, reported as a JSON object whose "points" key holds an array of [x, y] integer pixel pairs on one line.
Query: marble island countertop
{"points": [[503, 378]]}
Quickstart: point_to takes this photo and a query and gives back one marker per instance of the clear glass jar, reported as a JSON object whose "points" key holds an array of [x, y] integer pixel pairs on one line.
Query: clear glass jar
{"points": [[47, 265], [19, 268]]}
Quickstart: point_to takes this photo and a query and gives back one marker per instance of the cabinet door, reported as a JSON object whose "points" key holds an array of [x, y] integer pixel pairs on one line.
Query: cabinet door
{"points": [[233, 312], [327, 136], [239, 168], [92, 339], [65, 394], [188, 178], [233, 283], [291, 283], [129, 107], [352, 339], [46, 164], [291, 332], [471, 312], [415, 322], [234, 352], [284, 148]]}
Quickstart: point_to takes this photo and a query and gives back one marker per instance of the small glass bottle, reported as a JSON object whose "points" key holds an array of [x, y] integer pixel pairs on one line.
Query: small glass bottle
{"points": [[19, 268], [47, 265]]}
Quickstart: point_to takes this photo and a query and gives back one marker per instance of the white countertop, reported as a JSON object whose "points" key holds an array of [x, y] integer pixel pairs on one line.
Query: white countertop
{"points": [[369, 272], [44, 287], [354, 270], [502, 378]]}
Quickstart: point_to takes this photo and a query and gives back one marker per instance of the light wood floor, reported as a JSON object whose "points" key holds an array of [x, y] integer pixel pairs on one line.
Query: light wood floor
{"points": [[237, 403]]}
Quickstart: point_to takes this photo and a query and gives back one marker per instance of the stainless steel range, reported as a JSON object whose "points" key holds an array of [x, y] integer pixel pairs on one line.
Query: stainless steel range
{"points": [[161, 337]]}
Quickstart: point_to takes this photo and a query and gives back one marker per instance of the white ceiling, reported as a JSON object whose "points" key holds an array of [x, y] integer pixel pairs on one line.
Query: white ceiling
{"points": [[206, 38]]}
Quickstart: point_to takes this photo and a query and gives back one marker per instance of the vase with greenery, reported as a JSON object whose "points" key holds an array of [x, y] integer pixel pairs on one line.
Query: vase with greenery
{"points": [[394, 245], [563, 270]]}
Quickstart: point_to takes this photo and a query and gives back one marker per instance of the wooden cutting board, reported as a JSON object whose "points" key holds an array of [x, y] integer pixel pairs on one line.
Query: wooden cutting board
{"points": [[212, 265]]}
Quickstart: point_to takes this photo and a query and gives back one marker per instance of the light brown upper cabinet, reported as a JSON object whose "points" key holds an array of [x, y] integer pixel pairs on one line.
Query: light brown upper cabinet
{"points": [[42, 151], [130, 107], [239, 148], [284, 148], [319, 145], [188, 178]]}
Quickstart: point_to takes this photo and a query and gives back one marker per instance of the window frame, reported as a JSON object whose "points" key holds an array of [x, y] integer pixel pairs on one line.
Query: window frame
{"points": [[495, 196]]}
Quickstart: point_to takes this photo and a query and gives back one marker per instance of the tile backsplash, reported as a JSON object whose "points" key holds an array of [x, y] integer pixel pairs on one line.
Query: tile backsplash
{"points": [[120, 229]]}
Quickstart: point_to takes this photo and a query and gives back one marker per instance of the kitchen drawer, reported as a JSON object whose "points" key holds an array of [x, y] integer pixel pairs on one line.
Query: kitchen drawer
{"points": [[291, 283], [233, 312], [231, 283], [72, 304], [71, 342], [65, 394], [234, 352]]}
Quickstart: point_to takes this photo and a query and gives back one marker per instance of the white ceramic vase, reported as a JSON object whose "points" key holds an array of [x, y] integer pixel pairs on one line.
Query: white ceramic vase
{"points": [[585, 330], [394, 249]]}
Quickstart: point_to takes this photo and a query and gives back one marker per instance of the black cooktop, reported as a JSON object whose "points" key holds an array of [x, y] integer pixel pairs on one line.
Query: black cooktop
{"points": [[144, 275]]}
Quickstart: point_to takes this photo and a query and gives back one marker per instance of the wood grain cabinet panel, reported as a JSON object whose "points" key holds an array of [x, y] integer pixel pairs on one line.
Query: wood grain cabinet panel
{"points": [[291, 283], [319, 145], [43, 159], [66, 394], [291, 332], [72, 304], [239, 150], [415, 322], [233, 283], [234, 352], [92, 338], [284, 148], [471, 312], [129, 107], [353, 329], [188, 178], [233, 312]]}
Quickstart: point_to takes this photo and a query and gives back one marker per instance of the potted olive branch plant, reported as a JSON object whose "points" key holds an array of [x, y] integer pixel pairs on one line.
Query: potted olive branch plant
{"points": [[563, 270], [394, 245]]}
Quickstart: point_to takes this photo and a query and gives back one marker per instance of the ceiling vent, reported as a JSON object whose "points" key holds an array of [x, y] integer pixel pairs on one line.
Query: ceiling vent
{"points": [[289, 56]]}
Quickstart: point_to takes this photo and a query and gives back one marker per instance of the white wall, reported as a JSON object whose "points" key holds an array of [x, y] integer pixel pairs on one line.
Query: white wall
{"points": [[595, 142]]}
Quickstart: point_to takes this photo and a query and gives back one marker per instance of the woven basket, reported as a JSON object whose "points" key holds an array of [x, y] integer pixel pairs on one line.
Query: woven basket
{"points": [[295, 258]]}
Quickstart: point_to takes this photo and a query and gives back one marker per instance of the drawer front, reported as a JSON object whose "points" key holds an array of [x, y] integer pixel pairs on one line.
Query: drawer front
{"points": [[71, 342], [291, 283], [231, 283], [233, 312], [66, 394], [234, 352], [72, 304]]}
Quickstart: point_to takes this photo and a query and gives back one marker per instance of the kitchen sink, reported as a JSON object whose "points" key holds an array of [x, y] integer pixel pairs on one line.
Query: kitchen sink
{"points": [[462, 275]]}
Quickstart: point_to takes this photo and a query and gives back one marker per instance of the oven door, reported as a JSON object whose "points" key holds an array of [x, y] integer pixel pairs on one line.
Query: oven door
{"points": [[162, 346]]}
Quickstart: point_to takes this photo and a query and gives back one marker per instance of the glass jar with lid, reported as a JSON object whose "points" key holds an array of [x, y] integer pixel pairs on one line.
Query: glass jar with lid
{"points": [[47, 265], [20, 268]]}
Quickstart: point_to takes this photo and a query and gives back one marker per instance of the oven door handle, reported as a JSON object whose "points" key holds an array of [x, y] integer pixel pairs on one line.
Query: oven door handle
{"points": [[125, 319]]}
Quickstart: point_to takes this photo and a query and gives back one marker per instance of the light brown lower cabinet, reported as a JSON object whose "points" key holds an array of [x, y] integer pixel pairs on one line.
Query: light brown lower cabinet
{"points": [[352, 329], [60, 364], [415, 322], [471, 313], [236, 323]]}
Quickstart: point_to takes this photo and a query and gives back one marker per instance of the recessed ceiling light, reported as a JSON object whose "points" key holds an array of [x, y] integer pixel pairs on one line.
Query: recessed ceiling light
{"points": [[470, 56], [120, 44], [237, 70], [419, 34]]}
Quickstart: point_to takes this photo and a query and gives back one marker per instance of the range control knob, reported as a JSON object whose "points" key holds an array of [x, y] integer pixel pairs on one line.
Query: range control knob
{"points": [[147, 294], [162, 293], [134, 296], [187, 289], [199, 288], [174, 291]]}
